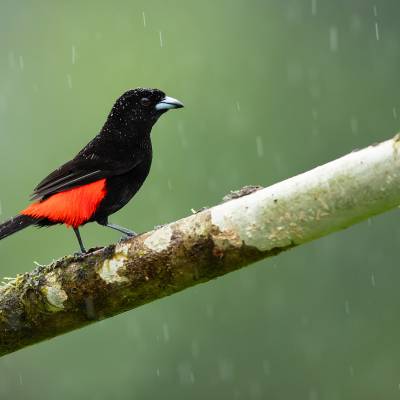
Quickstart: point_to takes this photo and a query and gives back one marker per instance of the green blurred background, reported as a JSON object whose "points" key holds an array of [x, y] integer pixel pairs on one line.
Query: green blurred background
{"points": [[271, 88]]}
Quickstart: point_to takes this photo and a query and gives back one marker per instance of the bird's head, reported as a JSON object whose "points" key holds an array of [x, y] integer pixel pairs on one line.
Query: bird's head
{"points": [[142, 106]]}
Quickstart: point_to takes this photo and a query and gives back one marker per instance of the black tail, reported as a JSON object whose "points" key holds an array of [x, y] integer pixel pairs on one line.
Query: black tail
{"points": [[15, 224]]}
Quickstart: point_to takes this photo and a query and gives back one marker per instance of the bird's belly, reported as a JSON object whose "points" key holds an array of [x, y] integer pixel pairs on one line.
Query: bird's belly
{"points": [[120, 190]]}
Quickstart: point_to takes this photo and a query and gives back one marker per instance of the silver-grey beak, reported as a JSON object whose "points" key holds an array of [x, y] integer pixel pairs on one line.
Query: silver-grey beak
{"points": [[168, 103]]}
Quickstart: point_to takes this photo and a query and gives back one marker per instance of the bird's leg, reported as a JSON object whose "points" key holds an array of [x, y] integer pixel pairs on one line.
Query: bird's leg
{"points": [[121, 229], [118, 228], [78, 236]]}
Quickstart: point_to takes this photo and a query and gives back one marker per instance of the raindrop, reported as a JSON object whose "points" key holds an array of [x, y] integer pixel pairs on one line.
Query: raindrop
{"points": [[158, 371], [373, 282], [169, 184], [1, 208], [313, 7], [376, 23], [394, 113], [238, 106], [351, 370], [260, 148], [161, 39], [144, 19], [69, 81], [347, 307], [376, 31], [20, 379], [73, 55], [333, 39], [21, 62]]}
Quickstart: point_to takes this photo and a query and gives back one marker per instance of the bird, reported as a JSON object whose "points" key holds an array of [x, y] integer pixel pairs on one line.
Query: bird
{"points": [[105, 175]]}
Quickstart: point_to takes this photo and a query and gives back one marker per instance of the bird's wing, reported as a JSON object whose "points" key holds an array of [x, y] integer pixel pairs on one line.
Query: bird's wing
{"points": [[78, 172]]}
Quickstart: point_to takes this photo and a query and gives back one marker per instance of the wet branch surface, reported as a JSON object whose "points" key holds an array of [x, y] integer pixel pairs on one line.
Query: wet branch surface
{"points": [[250, 225]]}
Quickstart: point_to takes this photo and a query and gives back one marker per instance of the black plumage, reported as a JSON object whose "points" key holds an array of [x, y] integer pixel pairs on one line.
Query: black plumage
{"points": [[121, 154]]}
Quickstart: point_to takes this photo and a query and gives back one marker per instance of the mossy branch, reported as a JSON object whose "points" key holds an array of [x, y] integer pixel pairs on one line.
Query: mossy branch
{"points": [[76, 291]]}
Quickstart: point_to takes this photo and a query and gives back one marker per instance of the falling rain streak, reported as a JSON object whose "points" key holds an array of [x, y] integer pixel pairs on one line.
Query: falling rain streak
{"points": [[314, 7], [373, 282], [347, 307], [144, 19], [161, 39], [333, 39], [69, 81], [376, 31], [376, 23], [21, 62], [73, 55]]}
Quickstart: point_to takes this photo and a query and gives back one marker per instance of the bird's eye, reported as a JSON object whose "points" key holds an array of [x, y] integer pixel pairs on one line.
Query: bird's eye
{"points": [[145, 102]]}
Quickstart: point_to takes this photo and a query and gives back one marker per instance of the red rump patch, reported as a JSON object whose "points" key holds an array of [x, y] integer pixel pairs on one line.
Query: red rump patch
{"points": [[73, 207]]}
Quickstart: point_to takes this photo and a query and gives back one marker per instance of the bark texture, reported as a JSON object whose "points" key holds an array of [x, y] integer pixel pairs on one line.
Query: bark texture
{"points": [[250, 225]]}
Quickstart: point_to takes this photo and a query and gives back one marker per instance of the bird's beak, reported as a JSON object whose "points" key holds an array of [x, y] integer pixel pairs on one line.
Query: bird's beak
{"points": [[168, 103]]}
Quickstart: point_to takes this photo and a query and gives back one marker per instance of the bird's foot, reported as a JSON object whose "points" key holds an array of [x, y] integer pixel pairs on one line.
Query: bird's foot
{"points": [[127, 236], [86, 252]]}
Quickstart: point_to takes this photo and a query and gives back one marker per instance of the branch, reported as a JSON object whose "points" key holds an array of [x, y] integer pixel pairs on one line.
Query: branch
{"points": [[76, 291]]}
